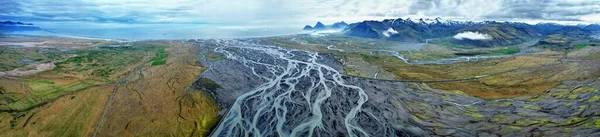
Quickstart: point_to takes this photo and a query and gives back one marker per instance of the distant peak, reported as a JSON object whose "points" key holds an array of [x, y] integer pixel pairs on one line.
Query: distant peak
{"points": [[14, 23], [321, 26], [307, 27]]}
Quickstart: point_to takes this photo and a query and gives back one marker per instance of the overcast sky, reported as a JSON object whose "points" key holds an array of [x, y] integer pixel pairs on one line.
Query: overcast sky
{"points": [[284, 11]]}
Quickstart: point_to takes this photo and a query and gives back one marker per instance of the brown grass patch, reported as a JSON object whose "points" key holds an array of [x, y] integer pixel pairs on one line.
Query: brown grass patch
{"points": [[159, 104], [506, 78], [73, 115]]}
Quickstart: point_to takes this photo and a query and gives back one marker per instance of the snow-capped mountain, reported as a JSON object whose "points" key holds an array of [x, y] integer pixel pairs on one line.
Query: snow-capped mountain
{"points": [[415, 30]]}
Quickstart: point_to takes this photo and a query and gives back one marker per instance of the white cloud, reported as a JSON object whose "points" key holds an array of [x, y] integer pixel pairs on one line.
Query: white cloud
{"points": [[389, 32], [472, 36], [591, 18], [296, 11]]}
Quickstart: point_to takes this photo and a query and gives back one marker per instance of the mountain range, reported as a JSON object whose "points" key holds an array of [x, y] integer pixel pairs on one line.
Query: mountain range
{"points": [[468, 33], [13, 23], [321, 26], [10, 26], [566, 38]]}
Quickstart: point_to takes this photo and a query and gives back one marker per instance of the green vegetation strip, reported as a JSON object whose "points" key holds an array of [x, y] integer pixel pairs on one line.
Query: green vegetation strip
{"points": [[448, 44], [160, 62], [215, 57], [45, 92], [506, 51], [159, 58], [368, 57], [102, 63], [581, 46]]}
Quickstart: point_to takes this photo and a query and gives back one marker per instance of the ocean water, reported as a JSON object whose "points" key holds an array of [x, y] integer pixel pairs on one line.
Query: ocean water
{"points": [[132, 32]]}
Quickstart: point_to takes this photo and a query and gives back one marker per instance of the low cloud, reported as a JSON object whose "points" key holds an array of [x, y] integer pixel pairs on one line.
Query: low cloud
{"points": [[473, 36], [390, 32]]}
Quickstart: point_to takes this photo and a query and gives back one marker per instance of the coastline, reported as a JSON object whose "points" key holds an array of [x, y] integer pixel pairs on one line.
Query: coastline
{"points": [[166, 35]]}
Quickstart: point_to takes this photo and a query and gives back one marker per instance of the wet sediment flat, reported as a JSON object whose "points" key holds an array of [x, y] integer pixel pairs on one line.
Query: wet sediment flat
{"points": [[266, 90]]}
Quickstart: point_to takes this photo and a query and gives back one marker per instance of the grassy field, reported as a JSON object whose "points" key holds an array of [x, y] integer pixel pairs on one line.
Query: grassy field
{"points": [[102, 63], [448, 44], [510, 77], [498, 78], [79, 70], [594, 56], [159, 57], [369, 57], [13, 58], [44, 91], [158, 103], [70, 99], [215, 57], [72, 115], [581, 46]]}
